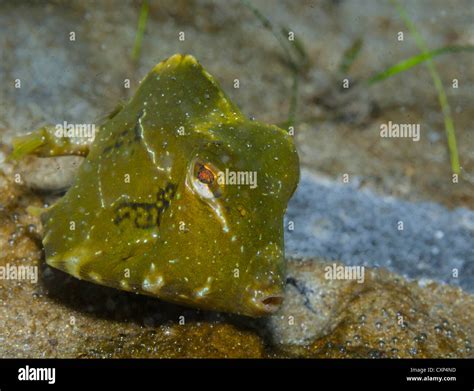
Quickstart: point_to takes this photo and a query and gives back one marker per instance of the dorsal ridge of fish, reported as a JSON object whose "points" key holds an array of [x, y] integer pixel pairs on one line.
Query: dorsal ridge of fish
{"points": [[181, 87]]}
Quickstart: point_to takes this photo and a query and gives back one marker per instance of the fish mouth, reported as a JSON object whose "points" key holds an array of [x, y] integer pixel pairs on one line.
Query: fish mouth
{"points": [[272, 303], [263, 303]]}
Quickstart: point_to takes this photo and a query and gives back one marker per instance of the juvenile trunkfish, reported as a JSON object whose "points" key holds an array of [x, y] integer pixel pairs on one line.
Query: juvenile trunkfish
{"points": [[147, 212]]}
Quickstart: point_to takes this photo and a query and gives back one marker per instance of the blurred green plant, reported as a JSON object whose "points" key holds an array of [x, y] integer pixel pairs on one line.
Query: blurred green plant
{"points": [[295, 56], [443, 100], [415, 60], [142, 19], [350, 55]]}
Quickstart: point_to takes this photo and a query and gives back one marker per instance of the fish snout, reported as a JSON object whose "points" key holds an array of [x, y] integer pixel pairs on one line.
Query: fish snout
{"points": [[265, 293], [265, 301]]}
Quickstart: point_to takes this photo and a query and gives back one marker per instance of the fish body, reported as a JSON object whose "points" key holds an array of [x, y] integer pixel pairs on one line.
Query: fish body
{"points": [[162, 204]]}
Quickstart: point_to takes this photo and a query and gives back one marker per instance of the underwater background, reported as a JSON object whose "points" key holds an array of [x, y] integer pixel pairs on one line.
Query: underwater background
{"points": [[335, 72]]}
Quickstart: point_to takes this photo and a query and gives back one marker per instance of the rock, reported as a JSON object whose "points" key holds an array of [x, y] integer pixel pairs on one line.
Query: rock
{"points": [[385, 316], [311, 306], [49, 174]]}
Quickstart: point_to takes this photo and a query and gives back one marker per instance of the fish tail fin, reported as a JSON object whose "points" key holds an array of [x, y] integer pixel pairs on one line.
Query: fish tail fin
{"points": [[26, 145]]}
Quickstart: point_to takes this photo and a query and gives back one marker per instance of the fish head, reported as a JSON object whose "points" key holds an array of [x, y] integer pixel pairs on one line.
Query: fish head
{"points": [[232, 199]]}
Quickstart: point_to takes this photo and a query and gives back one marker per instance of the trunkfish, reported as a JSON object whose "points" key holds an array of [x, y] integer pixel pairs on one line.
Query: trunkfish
{"points": [[151, 212]]}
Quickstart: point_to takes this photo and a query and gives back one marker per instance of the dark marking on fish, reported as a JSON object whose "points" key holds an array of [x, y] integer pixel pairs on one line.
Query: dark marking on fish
{"points": [[145, 215]]}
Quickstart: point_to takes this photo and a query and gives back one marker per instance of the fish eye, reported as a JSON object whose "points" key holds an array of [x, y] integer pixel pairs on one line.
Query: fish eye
{"points": [[205, 175], [204, 179]]}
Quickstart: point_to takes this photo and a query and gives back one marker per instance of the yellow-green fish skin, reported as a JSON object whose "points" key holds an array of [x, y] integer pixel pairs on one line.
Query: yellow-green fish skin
{"points": [[139, 217]]}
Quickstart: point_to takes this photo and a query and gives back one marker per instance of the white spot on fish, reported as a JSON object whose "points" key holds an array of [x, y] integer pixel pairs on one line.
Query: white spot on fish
{"points": [[95, 277], [153, 283], [205, 290]]}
